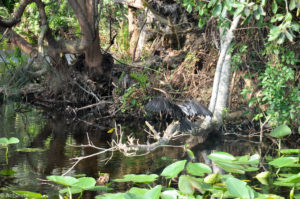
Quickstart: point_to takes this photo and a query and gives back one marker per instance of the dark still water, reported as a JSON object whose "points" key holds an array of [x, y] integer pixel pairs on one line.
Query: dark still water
{"points": [[54, 135]]}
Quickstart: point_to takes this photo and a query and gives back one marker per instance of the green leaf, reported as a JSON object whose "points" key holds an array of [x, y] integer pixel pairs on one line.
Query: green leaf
{"points": [[274, 7], [284, 162], [29, 194], [63, 180], [198, 169], [263, 177], [188, 184], [212, 3], [289, 36], [212, 178], [154, 193], [13, 140], [85, 183], [174, 169], [221, 156], [238, 10], [111, 196], [142, 178], [292, 179], [281, 131], [7, 172], [217, 10], [138, 191], [231, 167], [292, 5], [290, 151], [237, 188], [3, 142], [170, 194], [288, 17]]}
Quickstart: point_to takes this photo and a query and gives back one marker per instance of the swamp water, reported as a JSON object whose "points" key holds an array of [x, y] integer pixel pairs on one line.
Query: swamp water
{"points": [[55, 134]]}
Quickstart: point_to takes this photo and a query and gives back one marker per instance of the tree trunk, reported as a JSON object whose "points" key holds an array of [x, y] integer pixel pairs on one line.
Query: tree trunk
{"points": [[133, 29]]}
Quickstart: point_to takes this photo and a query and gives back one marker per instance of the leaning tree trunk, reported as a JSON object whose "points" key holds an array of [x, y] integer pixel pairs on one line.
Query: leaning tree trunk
{"points": [[221, 84]]}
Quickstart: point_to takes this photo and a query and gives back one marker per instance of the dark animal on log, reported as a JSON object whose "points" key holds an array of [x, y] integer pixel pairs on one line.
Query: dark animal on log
{"points": [[178, 112]]}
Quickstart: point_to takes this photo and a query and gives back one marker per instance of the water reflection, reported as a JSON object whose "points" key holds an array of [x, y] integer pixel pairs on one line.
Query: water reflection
{"points": [[55, 134]]}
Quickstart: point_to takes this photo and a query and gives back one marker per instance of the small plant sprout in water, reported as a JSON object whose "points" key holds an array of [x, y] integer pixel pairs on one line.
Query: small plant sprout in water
{"points": [[5, 142]]}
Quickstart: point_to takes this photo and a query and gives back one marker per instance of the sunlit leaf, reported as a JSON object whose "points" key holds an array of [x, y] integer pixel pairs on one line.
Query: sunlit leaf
{"points": [[237, 188], [13, 140], [174, 169], [212, 178], [63, 180], [284, 162], [7, 172], [138, 191], [290, 151], [274, 33], [274, 7], [170, 194], [198, 169], [263, 177], [111, 196], [3, 141], [212, 3], [221, 156], [217, 10], [85, 183], [292, 179], [184, 185], [142, 178], [281, 131], [29, 194], [292, 4], [153, 193]]}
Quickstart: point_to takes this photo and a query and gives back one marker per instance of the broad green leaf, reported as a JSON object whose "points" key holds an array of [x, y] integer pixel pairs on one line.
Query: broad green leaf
{"points": [[174, 169], [170, 194], [289, 36], [111, 196], [138, 191], [284, 162], [288, 17], [230, 167], [212, 3], [142, 178], [274, 7], [281, 131], [154, 193], [100, 188], [274, 33], [292, 5], [221, 156], [238, 10], [217, 10], [85, 183], [292, 179], [237, 188], [263, 177], [3, 141], [133, 196], [7, 172], [290, 151], [184, 185], [281, 38], [13, 140], [63, 180], [29, 194], [212, 178], [198, 169]]}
